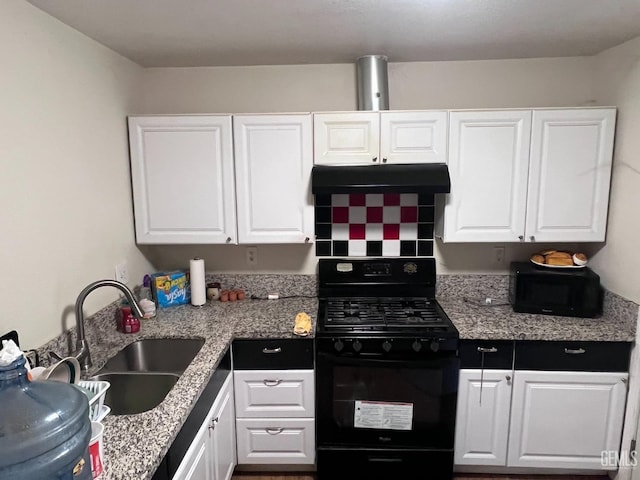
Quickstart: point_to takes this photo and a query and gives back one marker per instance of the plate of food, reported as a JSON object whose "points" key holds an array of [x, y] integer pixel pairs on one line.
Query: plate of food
{"points": [[559, 259]]}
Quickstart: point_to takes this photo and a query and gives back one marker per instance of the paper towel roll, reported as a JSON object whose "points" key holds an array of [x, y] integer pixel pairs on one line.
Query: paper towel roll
{"points": [[198, 284]]}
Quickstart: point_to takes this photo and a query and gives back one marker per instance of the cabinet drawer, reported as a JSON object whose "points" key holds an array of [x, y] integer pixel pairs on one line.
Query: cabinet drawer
{"points": [[276, 441], [274, 393], [573, 356], [272, 354], [498, 354]]}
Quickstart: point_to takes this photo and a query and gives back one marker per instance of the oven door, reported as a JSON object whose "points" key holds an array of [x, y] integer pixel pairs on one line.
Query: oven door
{"points": [[382, 402]]}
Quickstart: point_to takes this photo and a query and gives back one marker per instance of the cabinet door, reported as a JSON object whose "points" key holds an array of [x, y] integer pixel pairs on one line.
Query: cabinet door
{"points": [[413, 137], [273, 174], [482, 418], [224, 433], [183, 179], [569, 175], [565, 419], [351, 138], [488, 162], [198, 461]]}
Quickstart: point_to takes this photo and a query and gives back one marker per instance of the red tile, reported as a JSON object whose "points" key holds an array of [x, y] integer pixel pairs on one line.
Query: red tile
{"points": [[340, 215], [408, 214], [374, 214], [357, 231], [357, 200], [391, 231], [391, 199]]}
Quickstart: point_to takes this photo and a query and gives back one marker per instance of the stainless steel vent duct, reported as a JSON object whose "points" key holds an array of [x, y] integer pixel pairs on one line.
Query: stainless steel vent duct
{"points": [[372, 82]]}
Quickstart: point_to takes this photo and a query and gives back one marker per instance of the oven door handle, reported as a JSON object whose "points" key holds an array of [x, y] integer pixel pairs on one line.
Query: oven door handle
{"points": [[361, 361], [384, 460]]}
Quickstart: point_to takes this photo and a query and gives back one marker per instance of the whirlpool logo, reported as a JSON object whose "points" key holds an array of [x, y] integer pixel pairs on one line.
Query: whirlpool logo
{"points": [[619, 459]]}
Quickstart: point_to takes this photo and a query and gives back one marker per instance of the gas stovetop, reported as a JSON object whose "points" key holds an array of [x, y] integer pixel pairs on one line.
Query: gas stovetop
{"points": [[390, 297], [371, 314]]}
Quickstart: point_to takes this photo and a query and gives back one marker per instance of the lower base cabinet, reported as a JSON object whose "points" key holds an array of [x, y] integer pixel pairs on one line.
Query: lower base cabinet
{"points": [[536, 406], [212, 454], [279, 441]]}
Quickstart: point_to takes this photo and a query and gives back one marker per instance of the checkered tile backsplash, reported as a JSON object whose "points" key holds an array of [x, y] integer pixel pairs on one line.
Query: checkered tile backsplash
{"points": [[374, 225]]}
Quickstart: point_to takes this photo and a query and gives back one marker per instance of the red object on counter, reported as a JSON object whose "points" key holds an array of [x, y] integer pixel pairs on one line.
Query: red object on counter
{"points": [[128, 323]]}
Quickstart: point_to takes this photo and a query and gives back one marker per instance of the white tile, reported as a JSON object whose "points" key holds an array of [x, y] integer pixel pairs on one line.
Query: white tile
{"points": [[357, 248], [358, 214], [375, 199], [391, 248], [373, 231], [390, 214], [408, 199], [408, 231], [339, 200], [340, 231]]}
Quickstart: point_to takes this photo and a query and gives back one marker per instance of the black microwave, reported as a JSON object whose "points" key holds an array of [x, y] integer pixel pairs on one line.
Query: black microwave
{"points": [[567, 292]]}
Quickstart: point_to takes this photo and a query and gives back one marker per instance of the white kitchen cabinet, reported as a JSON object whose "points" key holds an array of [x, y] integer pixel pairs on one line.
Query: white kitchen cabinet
{"points": [[212, 454], [569, 175], [275, 412], [273, 161], [183, 179], [482, 421], [529, 175], [488, 166], [371, 138], [566, 419]]}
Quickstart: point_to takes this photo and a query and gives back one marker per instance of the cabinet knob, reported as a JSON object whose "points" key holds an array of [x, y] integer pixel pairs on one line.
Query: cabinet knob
{"points": [[306, 239], [274, 431], [271, 350], [532, 238], [508, 378], [228, 239], [272, 383], [521, 237], [384, 160], [375, 159]]}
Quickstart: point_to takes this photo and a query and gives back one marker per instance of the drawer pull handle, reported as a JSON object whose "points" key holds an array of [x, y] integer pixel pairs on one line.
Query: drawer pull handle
{"points": [[272, 383], [574, 351], [274, 431], [487, 350], [271, 350]]}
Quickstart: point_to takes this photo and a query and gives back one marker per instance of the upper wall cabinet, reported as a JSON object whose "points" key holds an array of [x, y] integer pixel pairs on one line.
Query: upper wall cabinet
{"points": [[187, 185], [370, 138], [273, 156], [183, 179], [529, 176]]}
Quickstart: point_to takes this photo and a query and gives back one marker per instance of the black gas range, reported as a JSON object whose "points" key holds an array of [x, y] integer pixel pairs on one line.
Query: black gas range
{"points": [[386, 370]]}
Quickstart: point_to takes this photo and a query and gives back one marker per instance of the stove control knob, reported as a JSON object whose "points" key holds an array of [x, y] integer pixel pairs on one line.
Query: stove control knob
{"points": [[386, 346], [417, 346], [435, 346], [357, 346], [338, 345]]}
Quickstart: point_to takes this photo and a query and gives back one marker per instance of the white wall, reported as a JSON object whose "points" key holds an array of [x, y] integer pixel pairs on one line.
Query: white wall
{"points": [[64, 188], [618, 83], [552, 82]]}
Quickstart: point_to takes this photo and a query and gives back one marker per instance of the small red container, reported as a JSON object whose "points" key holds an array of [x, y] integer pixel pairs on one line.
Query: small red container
{"points": [[128, 323]]}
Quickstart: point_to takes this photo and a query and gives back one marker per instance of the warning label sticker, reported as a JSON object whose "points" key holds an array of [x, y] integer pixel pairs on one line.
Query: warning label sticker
{"points": [[384, 415]]}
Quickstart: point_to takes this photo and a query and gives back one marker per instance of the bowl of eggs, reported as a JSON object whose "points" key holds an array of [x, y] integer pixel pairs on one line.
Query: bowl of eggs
{"points": [[559, 259]]}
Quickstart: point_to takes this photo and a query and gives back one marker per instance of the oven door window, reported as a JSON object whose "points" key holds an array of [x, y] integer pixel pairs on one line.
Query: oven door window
{"points": [[390, 403]]}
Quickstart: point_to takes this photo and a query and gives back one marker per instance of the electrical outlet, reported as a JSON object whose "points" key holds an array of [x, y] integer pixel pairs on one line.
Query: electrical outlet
{"points": [[498, 255], [252, 256], [122, 272]]}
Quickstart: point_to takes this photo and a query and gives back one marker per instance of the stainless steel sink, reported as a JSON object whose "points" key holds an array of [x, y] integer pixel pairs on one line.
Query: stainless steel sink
{"points": [[165, 355], [136, 392], [142, 373]]}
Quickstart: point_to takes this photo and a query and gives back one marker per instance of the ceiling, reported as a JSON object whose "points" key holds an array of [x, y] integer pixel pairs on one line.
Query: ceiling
{"points": [[179, 33]]}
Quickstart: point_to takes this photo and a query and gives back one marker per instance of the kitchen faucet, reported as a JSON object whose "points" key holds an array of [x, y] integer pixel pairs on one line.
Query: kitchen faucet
{"points": [[82, 353]]}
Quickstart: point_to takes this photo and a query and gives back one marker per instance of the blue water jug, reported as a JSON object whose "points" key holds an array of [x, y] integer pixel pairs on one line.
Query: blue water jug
{"points": [[44, 428]]}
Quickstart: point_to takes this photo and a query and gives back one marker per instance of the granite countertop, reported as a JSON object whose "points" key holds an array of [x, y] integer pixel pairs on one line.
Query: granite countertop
{"points": [[499, 322], [134, 445]]}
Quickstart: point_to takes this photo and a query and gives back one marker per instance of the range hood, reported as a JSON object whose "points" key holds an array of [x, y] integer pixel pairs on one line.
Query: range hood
{"points": [[400, 178]]}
